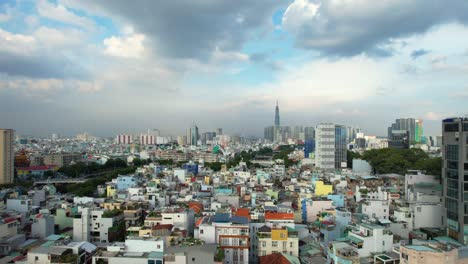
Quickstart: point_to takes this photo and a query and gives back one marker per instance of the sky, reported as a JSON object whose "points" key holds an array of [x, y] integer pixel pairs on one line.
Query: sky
{"points": [[118, 66]]}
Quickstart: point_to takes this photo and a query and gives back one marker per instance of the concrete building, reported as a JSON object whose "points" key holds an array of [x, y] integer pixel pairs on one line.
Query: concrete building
{"points": [[377, 209], [190, 254], [438, 251], [62, 159], [42, 226], [454, 171], [371, 238], [7, 156], [330, 150], [272, 240], [94, 225]]}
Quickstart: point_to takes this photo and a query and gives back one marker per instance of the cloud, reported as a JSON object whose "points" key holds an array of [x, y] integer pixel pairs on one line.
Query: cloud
{"points": [[41, 55], [350, 27], [60, 13], [419, 53], [188, 29], [130, 46]]}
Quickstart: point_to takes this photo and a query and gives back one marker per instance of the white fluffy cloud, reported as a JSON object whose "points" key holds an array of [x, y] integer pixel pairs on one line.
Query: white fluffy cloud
{"points": [[130, 46], [60, 13]]}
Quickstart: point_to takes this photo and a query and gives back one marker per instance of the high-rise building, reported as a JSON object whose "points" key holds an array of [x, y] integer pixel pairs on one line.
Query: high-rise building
{"points": [[331, 146], [309, 133], [413, 126], [194, 135], [277, 116], [455, 176], [147, 139], [418, 131], [219, 131], [7, 156], [296, 131], [269, 133], [124, 139]]}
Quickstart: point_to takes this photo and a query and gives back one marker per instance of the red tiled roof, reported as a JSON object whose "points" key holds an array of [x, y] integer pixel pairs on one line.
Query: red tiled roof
{"points": [[279, 216], [245, 212], [275, 258], [9, 220], [199, 221]]}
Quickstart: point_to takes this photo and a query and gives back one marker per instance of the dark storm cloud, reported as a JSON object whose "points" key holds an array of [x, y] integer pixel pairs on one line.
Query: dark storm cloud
{"points": [[39, 66], [418, 53], [348, 28], [191, 29]]}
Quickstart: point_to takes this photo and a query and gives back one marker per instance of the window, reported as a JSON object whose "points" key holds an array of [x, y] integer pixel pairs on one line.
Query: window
{"points": [[150, 261], [282, 235], [201, 231], [36, 258], [193, 259], [451, 127], [159, 246], [159, 262], [419, 209], [285, 244], [290, 244], [452, 152], [274, 243]]}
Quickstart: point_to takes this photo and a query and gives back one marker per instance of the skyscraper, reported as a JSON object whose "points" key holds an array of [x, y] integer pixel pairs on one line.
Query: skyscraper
{"points": [[413, 126], [331, 147], [7, 156], [194, 136], [455, 176], [277, 116]]}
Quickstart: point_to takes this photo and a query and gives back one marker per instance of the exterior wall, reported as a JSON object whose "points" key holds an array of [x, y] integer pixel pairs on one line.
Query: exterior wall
{"points": [[19, 205], [125, 182], [378, 242], [62, 220], [43, 227], [316, 207], [376, 209], [140, 245], [428, 215], [9, 229], [38, 258], [206, 233]]}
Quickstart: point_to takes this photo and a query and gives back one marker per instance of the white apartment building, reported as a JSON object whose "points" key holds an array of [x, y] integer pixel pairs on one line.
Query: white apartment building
{"points": [[371, 238], [92, 226], [377, 209]]}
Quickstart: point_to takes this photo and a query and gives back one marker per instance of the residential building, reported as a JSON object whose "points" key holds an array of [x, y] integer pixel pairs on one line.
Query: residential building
{"points": [[277, 240], [370, 238]]}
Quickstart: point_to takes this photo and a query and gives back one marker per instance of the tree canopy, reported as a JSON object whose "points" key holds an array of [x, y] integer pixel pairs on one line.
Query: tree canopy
{"points": [[399, 161]]}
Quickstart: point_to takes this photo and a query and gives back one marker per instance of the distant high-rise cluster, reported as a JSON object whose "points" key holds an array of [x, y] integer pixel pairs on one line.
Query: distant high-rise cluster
{"points": [[404, 132]]}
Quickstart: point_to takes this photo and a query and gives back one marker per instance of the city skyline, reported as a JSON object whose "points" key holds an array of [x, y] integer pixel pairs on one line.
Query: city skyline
{"points": [[104, 67]]}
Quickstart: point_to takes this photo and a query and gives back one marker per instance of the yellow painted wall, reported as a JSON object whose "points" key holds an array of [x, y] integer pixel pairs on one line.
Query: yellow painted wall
{"points": [[110, 190], [323, 189], [279, 234]]}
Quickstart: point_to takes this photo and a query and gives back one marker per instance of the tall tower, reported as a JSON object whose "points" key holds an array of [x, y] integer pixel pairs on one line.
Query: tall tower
{"points": [[277, 117], [454, 176], [7, 156]]}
